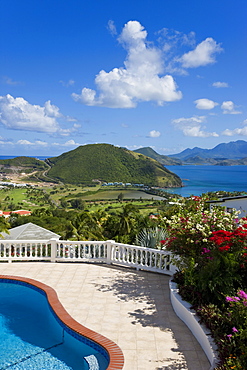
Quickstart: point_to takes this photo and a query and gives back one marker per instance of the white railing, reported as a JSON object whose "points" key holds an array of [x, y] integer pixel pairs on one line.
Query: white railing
{"points": [[109, 252]]}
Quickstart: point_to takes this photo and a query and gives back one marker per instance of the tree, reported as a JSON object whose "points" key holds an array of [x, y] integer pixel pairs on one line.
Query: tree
{"points": [[120, 197], [4, 225], [77, 203]]}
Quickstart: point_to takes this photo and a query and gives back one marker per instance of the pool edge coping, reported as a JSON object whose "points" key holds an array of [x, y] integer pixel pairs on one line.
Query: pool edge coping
{"points": [[115, 353]]}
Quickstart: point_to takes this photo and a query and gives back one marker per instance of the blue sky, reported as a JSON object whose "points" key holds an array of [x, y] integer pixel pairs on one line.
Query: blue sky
{"points": [[169, 74]]}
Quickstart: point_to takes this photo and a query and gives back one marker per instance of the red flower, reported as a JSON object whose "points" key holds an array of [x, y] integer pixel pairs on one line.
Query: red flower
{"points": [[224, 248]]}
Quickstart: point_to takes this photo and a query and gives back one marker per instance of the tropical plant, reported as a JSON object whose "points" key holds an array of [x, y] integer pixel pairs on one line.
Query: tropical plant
{"points": [[152, 237]]}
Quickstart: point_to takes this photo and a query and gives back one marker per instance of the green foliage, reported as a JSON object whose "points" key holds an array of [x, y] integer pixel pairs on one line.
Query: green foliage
{"points": [[212, 255], [163, 159], [105, 162], [151, 238], [24, 162]]}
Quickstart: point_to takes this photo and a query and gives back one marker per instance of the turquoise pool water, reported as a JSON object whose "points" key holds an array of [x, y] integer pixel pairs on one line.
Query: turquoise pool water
{"points": [[32, 336]]}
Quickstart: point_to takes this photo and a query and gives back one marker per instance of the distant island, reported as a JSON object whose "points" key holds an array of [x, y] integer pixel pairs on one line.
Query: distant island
{"points": [[225, 154], [92, 163]]}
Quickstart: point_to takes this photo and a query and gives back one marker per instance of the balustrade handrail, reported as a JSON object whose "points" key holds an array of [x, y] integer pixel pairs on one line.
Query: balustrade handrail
{"points": [[109, 251]]}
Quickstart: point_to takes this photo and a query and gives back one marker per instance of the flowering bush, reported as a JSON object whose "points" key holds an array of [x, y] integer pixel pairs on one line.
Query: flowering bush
{"points": [[192, 225], [211, 256]]}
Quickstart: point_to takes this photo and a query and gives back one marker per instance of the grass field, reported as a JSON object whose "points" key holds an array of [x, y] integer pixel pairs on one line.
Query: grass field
{"points": [[18, 198], [127, 194]]}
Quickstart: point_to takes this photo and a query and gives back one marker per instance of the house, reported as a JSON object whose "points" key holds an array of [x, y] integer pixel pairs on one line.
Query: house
{"points": [[29, 231], [21, 212], [229, 203]]}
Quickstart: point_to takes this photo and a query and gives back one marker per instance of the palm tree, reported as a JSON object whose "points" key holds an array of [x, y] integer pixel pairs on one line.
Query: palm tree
{"points": [[4, 226]]}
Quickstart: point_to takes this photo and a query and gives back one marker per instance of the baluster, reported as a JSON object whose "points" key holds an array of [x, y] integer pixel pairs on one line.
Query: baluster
{"points": [[155, 260], [132, 255]]}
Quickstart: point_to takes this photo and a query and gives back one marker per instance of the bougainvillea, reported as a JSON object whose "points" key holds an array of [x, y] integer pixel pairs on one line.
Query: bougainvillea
{"points": [[210, 251]]}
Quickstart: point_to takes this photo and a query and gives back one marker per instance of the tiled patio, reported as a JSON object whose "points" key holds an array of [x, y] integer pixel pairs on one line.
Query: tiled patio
{"points": [[130, 307]]}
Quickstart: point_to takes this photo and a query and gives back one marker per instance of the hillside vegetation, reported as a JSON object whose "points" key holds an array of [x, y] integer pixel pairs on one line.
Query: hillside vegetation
{"points": [[107, 163], [163, 159], [28, 164]]}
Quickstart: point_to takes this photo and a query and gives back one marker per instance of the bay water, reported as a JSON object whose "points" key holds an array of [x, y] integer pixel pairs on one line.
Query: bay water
{"points": [[205, 178]]}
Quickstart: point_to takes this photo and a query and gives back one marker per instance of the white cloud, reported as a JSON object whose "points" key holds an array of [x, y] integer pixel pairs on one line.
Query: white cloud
{"points": [[112, 27], [193, 126], [35, 143], [67, 84], [220, 84], [237, 131], [52, 110], [229, 107], [44, 144], [9, 81], [205, 104], [202, 55], [19, 114], [139, 79], [154, 133]]}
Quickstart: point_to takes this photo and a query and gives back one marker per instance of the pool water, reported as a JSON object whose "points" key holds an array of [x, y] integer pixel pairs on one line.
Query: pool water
{"points": [[32, 337]]}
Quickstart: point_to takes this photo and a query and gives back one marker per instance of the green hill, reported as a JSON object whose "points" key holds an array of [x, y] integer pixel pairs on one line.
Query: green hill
{"points": [[22, 164], [163, 159], [108, 163]]}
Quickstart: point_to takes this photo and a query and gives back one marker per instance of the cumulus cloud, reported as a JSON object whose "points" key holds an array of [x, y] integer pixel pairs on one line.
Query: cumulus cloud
{"points": [[220, 84], [202, 55], [154, 133], [193, 126], [44, 144], [237, 131], [35, 143], [19, 114], [229, 107], [138, 81], [205, 104]]}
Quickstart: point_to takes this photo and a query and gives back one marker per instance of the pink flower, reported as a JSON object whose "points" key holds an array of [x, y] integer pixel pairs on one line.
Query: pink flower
{"points": [[232, 299], [234, 330], [242, 294]]}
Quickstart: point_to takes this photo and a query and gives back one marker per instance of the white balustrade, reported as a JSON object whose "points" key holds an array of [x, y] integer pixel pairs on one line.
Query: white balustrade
{"points": [[109, 252]]}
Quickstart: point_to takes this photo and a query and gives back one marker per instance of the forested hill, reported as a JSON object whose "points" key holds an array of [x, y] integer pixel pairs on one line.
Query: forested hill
{"points": [[163, 159], [108, 163], [25, 163]]}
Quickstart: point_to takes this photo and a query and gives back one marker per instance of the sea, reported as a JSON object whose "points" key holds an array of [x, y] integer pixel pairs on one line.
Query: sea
{"points": [[205, 178], [201, 179]]}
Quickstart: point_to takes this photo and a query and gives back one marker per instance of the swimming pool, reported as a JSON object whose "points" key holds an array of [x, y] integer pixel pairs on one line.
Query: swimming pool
{"points": [[37, 333]]}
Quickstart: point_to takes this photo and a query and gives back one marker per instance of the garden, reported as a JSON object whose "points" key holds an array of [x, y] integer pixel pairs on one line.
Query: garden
{"points": [[210, 251]]}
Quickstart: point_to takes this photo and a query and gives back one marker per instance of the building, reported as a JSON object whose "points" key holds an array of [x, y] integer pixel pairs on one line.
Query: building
{"points": [[229, 203], [29, 231], [21, 212]]}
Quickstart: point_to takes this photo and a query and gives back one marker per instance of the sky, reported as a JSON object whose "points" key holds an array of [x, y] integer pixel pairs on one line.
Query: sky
{"points": [[165, 74]]}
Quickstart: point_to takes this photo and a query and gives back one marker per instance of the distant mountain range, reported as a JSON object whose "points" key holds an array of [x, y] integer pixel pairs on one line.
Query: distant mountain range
{"points": [[225, 154]]}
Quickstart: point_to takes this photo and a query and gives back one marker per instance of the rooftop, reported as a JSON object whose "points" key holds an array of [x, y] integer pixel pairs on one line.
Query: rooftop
{"points": [[29, 231]]}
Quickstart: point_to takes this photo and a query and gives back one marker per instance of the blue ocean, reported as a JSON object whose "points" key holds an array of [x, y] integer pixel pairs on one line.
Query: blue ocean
{"points": [[202, 179]]}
